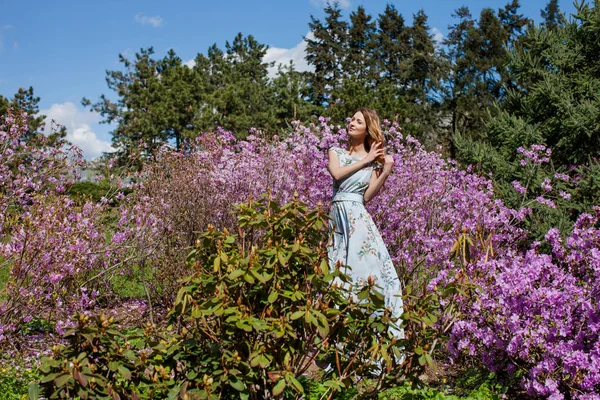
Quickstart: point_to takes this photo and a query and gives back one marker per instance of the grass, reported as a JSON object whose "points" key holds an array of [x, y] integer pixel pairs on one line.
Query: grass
{"points": [[4, 274]]}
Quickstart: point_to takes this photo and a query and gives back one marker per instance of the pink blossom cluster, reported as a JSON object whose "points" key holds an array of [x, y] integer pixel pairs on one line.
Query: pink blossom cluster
{"points": [[51, 248], [537, 154], [538, 314]]}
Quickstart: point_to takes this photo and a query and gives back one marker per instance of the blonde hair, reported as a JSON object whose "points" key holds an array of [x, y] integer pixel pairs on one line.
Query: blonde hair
{"points": [[374, 134]]}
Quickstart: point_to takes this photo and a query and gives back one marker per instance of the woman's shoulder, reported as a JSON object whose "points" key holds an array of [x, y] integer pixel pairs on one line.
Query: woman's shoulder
{"points": [[337, 150]]}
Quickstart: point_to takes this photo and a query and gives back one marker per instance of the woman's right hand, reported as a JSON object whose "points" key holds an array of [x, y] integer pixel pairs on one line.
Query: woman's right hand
{"points": [[376, 151]]}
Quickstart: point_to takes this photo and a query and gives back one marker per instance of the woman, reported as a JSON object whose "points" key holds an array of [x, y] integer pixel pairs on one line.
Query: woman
{"points": [[358, 174]]}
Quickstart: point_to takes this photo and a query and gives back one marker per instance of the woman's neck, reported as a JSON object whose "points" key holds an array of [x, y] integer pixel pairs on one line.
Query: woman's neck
{"points": [[357, 147]]}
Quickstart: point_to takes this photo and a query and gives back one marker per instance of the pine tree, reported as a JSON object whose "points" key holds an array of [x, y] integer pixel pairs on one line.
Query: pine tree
{"points": [[327, 53], [478, 53], [553, 17], [359, 61], [359, 69], [291, 92], [554, 102], [423, 72], [392, 45], [25, 101], [178, 101], [140, 109], [247, 97]]}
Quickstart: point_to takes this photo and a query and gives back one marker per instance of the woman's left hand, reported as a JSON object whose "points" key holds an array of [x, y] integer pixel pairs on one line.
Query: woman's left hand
{"points": [[388, 164]]}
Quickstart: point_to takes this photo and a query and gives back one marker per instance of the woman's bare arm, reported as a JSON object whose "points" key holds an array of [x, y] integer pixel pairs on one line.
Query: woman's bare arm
{"points": [[378, 178], [338, 172]]}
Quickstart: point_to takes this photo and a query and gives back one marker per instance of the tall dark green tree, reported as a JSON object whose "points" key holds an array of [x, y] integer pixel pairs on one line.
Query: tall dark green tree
{"points": [[392, 45], [392, 42], [359, 68], [461, 100], [423, 72], [477, 52], [553, 17], [327, 52], [359, 62], [291, 96], [25, 101], [244, 99], [139, 110], [179, 98], [423, 68], [555, 102]]}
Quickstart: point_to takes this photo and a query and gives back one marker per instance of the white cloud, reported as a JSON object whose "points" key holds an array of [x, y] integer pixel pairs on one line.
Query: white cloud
{"points": [[190, 63], [283, 56], [155, 21], [78, 125], [438, 36], [323, 3]]}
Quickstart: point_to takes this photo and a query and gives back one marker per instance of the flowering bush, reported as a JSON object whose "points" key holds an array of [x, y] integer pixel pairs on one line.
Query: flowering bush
{"points": [[537, 315], [426, 204], [51, 248]]}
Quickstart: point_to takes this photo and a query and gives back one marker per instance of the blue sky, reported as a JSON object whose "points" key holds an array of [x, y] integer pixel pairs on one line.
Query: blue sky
{"points": [[62, 48]]}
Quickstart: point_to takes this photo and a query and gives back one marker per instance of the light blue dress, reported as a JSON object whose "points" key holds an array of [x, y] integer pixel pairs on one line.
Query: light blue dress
{"points": [[356, 240]]}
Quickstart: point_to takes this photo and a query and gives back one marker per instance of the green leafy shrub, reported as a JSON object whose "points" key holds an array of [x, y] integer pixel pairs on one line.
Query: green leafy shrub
{"points": [[15, 379], [260, 309]]}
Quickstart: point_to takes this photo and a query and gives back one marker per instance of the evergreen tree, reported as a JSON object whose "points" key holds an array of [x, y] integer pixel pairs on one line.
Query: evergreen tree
{"points": [[392, 45], [138, 112], [423, 68], [246, 99], [327, 53], [555, 102], [423, 72], [178, 100], [25, 101], [359, 67], [392, 50], [479, 76], [359, 60], [552, 15], [512, 22], [461, 91], [291, 92]]}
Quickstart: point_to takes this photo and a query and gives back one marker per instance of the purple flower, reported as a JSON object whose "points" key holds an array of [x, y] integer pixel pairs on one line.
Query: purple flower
{"points": [[518, 187]]}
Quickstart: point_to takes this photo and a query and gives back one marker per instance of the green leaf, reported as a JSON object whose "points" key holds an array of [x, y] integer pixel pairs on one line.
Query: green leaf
{"points": [[273, 297], [113, 365], [297, 314], [236, 274], [49, 378], [237, 385], [33, 392], [125, 372], [263, 361], [297, 385], [281, 257], [279, 387], [244, 325], [61, 380]]}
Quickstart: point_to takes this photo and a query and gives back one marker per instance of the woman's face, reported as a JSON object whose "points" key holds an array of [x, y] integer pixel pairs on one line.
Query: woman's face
{"points": [[357, 127]]}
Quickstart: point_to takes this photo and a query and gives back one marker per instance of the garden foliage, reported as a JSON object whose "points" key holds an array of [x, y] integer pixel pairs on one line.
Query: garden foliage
{"points": [[261, 307]]}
